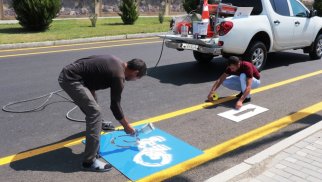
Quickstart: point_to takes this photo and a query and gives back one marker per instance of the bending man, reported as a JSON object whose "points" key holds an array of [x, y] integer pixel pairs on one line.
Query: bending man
{"points": [[81, 79], [240, 76]]}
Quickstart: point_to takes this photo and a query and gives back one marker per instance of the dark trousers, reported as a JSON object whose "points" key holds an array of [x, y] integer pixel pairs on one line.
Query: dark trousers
{"points": [[84, 99]]}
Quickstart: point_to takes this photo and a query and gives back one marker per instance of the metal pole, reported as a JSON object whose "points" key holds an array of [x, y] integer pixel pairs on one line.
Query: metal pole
{"points": [[216, 19]]}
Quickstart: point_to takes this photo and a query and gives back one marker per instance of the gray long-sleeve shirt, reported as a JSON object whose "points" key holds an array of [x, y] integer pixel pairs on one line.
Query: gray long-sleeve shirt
{"points": [[100, 72]]}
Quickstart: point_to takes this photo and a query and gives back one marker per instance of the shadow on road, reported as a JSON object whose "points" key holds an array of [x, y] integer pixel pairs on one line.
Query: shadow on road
{"points": [[272, 138], [189, 72], [230, 103], [194, 73], [61, 160], [178, 179], [279, 59]]}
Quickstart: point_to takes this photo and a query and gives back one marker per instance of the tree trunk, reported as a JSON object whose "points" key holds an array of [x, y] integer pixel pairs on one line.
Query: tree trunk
{"points": [[167, 8], [98, 7], [1, 10]]}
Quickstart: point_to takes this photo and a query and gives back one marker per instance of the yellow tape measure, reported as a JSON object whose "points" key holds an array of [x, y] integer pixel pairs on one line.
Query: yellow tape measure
{"points": [[215, 96]]}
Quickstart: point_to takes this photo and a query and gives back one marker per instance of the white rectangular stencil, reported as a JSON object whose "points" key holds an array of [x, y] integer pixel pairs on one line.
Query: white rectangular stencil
{"points": [[247, 111]]}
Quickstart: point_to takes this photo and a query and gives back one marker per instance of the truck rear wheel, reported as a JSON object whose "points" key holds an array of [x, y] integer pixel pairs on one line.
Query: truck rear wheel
{"points": [[316, 50], [202, 57], [257, 54]]}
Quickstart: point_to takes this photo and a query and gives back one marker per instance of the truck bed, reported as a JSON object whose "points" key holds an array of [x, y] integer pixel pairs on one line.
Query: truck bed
{"points": [[208, 45]]}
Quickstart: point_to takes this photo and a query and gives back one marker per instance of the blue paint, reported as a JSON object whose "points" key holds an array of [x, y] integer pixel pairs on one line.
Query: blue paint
{"points": [[158, 150]]}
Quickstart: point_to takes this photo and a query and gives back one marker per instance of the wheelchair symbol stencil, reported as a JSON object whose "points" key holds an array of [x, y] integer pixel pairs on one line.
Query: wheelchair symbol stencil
{"points": [[152, 153]]}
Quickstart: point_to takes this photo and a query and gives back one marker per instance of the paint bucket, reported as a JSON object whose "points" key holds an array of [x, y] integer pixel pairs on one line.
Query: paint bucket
{"points": [[184, 30], [200, 28]]}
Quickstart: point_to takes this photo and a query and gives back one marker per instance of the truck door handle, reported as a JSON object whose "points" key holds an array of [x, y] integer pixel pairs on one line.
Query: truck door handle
{"points": [[297, 23], [277, 22]]}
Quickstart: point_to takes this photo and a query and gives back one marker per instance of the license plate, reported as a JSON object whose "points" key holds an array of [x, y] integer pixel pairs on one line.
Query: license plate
{"points": [[189, 46]]}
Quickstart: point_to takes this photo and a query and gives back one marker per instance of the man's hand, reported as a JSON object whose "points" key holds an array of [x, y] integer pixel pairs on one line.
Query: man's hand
{"points": [[239, 104], [210, 96], [216, 86], [127, 127], [129, 130]]}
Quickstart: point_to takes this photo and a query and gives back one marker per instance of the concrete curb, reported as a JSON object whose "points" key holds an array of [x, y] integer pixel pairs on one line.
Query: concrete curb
{"points": [[255, 160], [76, 41]]}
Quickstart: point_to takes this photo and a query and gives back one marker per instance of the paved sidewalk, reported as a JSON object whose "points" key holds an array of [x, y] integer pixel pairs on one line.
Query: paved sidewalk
{"points": [[8, 21], [295, 159]]}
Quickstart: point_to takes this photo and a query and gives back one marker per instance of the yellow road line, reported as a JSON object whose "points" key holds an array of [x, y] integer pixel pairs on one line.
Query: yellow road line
{"points": [[233, 144], [77, 49], [260, 89], [31, 153], [78, 44]]}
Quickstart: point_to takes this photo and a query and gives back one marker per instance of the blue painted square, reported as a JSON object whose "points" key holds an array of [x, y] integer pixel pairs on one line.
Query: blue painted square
{"points": [[156, 151]]}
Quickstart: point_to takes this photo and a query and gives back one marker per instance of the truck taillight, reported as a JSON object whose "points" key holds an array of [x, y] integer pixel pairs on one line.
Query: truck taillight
{"points": [[221, 43], [225, 27]]}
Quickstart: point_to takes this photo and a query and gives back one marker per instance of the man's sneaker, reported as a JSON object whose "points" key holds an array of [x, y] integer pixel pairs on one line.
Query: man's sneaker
{"points": [[107, 126], [98, 156], [239, 95], [97, 166], [247, 100]]}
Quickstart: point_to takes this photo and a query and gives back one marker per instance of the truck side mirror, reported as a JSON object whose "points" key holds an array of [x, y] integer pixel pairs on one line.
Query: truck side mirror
{"points": [[312, 13]]}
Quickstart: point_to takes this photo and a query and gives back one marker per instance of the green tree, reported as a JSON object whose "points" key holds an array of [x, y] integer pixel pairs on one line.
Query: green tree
{"points": [[318, 6], [36, 15], [161, 14], [129, 12], [195, 5], [191, 5]]}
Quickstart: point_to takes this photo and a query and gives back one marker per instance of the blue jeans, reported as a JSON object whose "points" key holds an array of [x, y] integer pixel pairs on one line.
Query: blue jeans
{"points": [[238, 83]]}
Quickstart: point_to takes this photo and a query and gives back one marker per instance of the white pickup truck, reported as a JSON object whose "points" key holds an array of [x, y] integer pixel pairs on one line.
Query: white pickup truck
{"points": [[273, 25]]}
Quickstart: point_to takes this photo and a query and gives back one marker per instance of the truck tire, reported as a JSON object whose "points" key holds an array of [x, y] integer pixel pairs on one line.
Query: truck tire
{"points": [[202, 57], [316, 50], [256, 53]]}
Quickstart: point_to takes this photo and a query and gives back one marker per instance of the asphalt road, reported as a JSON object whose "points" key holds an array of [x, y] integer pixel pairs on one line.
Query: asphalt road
{"points": [[179, 82]]}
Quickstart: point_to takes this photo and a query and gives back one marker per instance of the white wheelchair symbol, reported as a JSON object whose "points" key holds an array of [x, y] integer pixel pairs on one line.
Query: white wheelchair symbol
{"points": [[153, 154]]}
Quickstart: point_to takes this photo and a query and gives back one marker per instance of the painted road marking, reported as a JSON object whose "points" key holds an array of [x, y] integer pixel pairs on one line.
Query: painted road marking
{"points": [[155, 151], [234, 143], [77, 49], [69, 143], [247, 111], [71, 45]]}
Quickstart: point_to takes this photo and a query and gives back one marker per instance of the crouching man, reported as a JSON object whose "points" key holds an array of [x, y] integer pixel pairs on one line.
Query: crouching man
{"points": [[240, 76]]}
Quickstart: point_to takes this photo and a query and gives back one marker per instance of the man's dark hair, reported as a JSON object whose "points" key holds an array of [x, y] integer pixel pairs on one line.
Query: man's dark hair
{"points": [[137, 65], [233, 60]]}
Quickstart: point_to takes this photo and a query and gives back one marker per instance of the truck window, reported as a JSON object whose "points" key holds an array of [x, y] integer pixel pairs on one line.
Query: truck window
{"points": [[298, 9], [257, 4], [281, 7]]}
